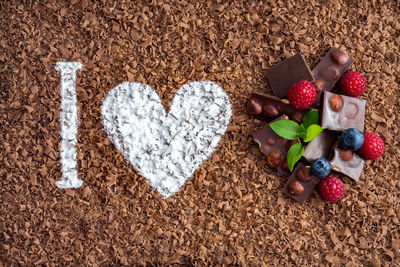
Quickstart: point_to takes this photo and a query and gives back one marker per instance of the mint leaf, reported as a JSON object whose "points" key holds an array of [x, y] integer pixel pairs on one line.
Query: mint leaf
{"points": [[312, 132], [294, 154], [310, 118], [287, 129]]}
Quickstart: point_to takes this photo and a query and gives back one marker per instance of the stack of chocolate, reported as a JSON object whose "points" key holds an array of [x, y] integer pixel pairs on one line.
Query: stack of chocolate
{"points": [[337, 113]]}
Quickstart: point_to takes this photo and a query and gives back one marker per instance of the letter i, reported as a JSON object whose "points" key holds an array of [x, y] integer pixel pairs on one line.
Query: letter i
{"points": [[69, 125]]}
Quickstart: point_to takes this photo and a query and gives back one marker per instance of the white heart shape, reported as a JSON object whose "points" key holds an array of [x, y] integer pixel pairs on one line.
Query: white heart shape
{"points": [[166, 149]]}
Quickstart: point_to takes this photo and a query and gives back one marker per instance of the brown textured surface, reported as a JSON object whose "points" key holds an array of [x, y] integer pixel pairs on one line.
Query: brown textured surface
{"points": [[232, 210]]}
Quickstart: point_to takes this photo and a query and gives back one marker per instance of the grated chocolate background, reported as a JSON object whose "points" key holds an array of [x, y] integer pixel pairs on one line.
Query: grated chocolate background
{"points": [[232, 211]]}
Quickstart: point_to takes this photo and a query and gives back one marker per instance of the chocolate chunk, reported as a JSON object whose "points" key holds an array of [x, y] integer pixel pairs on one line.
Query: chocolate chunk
{"points": [[349, 164], [329, 70], [286, 73], [298, 189], [273, 146], [351, 115], [272, 107], [320, 146]]}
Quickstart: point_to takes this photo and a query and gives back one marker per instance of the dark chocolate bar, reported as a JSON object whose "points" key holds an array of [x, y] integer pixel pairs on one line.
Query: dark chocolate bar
{"points": [[347, 162], [320, 146], [273, 146], [341, 112], [329, 70], [271, 107], [301, 183], [286, 73]]}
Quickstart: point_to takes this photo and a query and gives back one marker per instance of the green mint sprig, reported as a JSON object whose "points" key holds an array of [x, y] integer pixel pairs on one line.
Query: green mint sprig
{"points": [[291, 130]]}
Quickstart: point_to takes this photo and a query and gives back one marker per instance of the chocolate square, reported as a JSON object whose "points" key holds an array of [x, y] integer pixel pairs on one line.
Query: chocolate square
{"points": [[329, 70], [320, 146], [273, 146], [306, 182], [271, 107], [341, 112], [286, 73], [347, 162]]}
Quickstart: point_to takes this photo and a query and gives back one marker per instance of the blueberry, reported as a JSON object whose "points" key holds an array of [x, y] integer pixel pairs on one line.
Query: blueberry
{"points": [[321, 167], [351, 139]]}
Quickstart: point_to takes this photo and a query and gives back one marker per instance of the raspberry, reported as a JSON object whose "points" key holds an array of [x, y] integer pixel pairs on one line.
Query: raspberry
{"points": [[302, 94], [331, 188], [372, 147], [352, 84]]}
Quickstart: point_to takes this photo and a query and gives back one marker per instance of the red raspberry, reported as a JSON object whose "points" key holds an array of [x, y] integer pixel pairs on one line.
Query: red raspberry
{"points": [[352, 84], [372, 147], [302, 94], [331, 188]]}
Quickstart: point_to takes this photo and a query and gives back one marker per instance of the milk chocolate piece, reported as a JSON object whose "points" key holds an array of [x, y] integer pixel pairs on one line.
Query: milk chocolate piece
{"points": [[351, 115], [320, 146], [329, 70], [286, 73], [347, 162], [271, 107], [300, 184], [273, 146]]}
